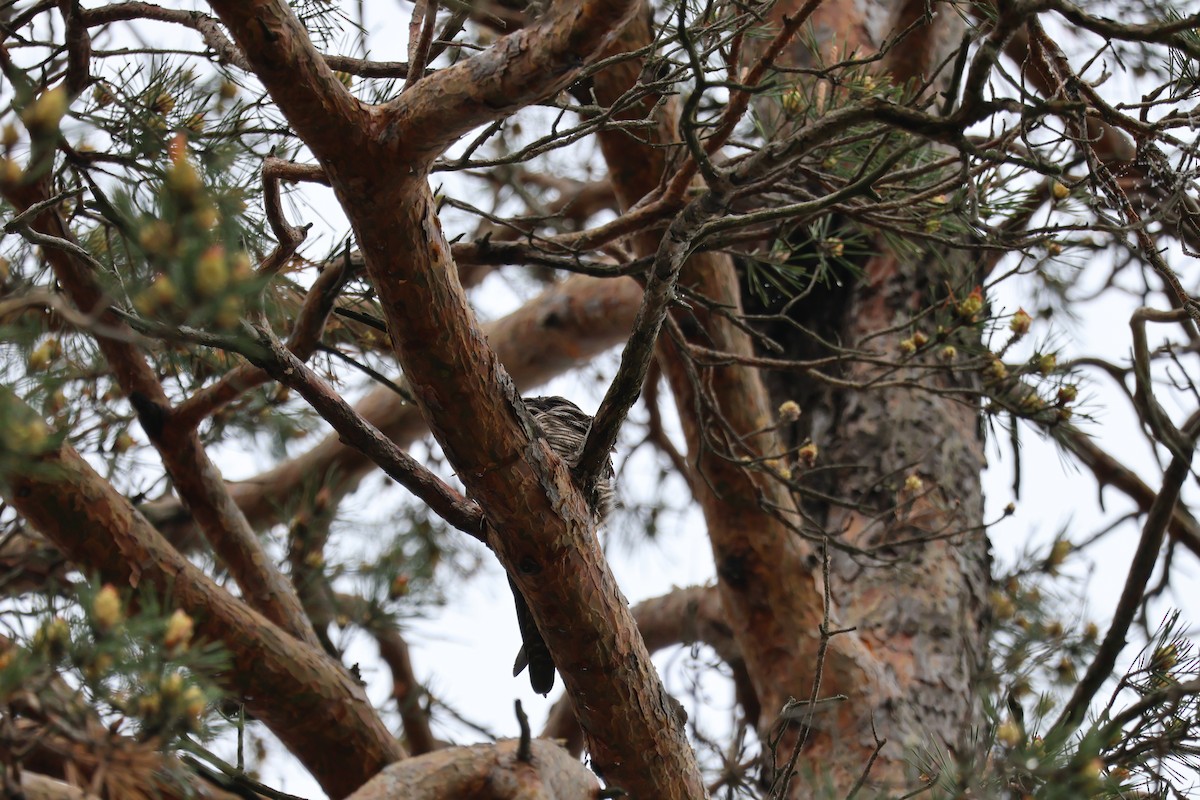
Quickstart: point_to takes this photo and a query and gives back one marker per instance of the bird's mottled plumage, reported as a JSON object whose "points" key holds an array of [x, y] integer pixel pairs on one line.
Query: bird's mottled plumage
{"points": [[565, 428]]}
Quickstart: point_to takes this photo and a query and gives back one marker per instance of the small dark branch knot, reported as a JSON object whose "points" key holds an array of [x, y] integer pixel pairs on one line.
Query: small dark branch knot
{"points": [[152, 415], [733, 570]]}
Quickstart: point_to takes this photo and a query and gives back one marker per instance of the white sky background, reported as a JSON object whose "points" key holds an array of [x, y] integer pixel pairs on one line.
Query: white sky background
{"points": [[466, 650]]}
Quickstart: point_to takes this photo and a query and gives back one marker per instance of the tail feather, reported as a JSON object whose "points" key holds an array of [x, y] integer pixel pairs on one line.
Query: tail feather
{"points": [[533, 653]]}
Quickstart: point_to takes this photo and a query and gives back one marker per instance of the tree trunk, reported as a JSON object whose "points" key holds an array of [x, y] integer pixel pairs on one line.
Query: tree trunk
{"points": [[908, 563]]}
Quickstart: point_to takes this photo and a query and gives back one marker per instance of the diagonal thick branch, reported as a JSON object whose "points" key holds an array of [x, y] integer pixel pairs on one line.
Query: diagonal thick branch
{"points": [[303, 696], [1140, 571], [283, 365], [539, 524], [192, 472], [627, 384], [519, 69]]}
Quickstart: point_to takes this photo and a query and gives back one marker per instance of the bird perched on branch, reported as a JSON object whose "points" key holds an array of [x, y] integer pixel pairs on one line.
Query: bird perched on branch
{"points": [[565, 427]]}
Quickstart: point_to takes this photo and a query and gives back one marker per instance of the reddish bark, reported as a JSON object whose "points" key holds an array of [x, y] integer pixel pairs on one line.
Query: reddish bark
{"points": [[929, 644], [895, 507], [109, 764], [309, 701], [894, 673], [538, 521], [192, 472], [485, 772], [568, 323]]}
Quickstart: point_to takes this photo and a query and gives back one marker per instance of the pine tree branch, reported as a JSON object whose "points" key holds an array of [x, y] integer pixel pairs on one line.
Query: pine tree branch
{"points": [[313, 705], [1140, 570], [283, 365], [195, 477]]}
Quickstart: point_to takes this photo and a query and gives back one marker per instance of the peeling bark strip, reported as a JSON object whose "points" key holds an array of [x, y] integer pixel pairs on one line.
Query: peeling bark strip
{"points": [[376, 160], [313, 705], [486, 771]]}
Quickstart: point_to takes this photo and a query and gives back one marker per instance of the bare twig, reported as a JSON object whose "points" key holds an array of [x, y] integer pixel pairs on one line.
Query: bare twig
{"points": [[303, 342], [635, 359], [1140, 570], [420, 36]]}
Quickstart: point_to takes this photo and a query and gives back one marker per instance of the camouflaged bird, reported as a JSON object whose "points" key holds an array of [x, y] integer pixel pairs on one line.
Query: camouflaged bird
{"points": [[565, 428]]}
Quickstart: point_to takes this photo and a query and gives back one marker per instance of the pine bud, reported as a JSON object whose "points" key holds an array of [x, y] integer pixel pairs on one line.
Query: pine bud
{"points": [[102, 96], [164, 103], [44, 354], [193, 707], [212, 272], [52, 638], [792, 101], [44, 114], [171, 685], [971, 305], [183, 179], [1009, 734], [1020, 322], [106, 608], [179, 631], [1058, 553]]}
